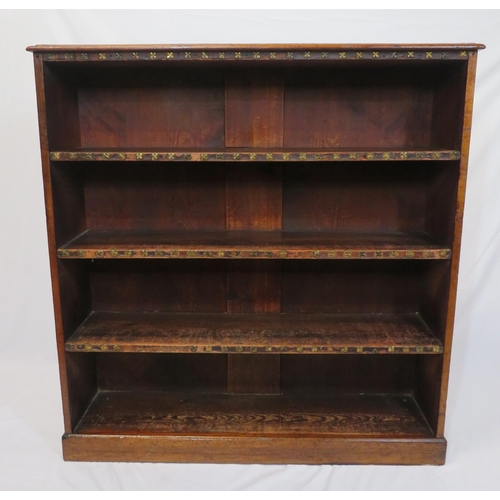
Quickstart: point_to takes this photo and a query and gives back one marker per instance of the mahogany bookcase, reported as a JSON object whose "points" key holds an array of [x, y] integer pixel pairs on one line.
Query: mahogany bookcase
{"points": [[254, 249]]}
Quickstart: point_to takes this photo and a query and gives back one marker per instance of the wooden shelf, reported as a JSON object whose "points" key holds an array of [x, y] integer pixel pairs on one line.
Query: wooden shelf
{"points": [[252, 155], [255, 333], [305, 413], [140, 244]]}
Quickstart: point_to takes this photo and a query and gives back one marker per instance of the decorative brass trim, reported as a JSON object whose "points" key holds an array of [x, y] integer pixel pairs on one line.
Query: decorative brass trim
{"points": [[212, 55], [115, 253], [254, 156], [224, 349]]}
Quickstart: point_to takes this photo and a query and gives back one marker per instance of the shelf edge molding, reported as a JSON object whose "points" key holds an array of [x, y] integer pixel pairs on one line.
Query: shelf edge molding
{"points": [[168, 253], [257, 156], [252, 349]]}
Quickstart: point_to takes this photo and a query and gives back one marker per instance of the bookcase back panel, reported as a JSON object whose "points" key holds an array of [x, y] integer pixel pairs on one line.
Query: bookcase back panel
{"points": [[247, 286], [163, 196], [159, 286], [254, 197], [344, 196], [396, 196], [254, 108], [315, 105], [344, 374], [351, 287], [153, 107], [358, 107], [161, 372], [253, 286]]}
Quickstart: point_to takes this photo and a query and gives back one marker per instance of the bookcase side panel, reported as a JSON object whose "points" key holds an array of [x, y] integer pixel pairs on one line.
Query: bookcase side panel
{"points": [[69, 284], [62, 109], [464, 158]]}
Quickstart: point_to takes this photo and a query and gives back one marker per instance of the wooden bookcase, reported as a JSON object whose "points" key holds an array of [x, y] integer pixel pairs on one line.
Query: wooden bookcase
{"points": [[254, 249]]}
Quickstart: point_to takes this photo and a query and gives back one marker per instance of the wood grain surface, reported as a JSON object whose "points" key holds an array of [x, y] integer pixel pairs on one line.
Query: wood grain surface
{"points": [[141, 244], [251, 333], [192, 412]]}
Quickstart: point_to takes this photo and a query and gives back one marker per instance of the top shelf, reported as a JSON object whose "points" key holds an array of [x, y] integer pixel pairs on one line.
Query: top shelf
{"points": [[276, 52], [252, 154]]}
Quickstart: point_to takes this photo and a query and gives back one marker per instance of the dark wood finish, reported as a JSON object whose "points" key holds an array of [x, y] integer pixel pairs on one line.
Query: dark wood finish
{"points": [[161, 372], [253, 198], [428, 379], [252, 374], [70, 413], [350, 374], [387, 198], [62, 107], [192, 412], [258, 449], [143, 244], [351, 287], [254, 110], [253, 286], [249, 333], [447, 121], [467, 102], [158, 286], [152, 109], [358, 108], [212, 210], [124, 197], [253, 204]]}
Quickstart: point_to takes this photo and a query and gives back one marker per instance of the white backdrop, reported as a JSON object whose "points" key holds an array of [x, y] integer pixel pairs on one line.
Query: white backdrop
{"points": [[30, 407]]}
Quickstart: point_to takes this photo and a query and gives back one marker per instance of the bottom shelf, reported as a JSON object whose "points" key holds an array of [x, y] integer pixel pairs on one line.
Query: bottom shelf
{"points": [[294, 427], [304, 413]]}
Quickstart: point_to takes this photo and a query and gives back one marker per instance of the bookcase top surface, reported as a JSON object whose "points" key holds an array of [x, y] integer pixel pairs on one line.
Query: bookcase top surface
{"points": [[352, 46]]}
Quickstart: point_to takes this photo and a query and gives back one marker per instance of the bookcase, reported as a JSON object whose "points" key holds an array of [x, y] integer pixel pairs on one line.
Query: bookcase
{"points": [[254, 249]]}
